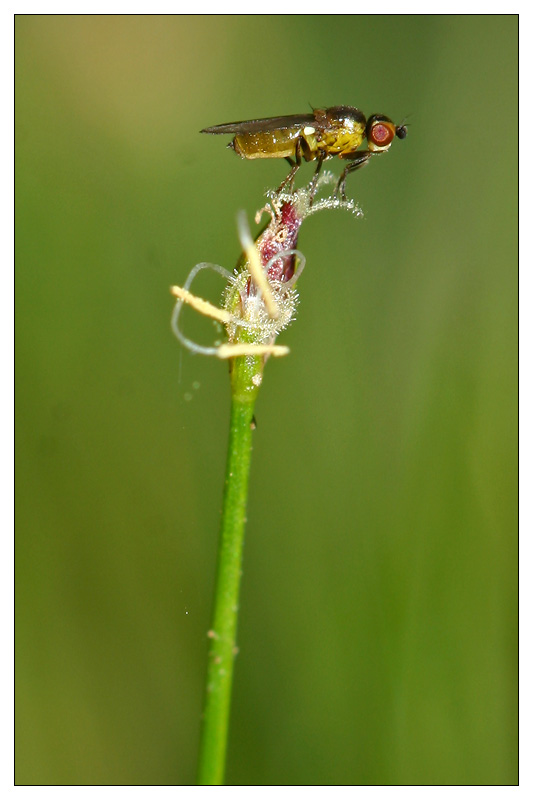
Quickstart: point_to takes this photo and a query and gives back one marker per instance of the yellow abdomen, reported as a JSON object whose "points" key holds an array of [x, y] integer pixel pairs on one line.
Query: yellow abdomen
{"points": [[269, 144]]}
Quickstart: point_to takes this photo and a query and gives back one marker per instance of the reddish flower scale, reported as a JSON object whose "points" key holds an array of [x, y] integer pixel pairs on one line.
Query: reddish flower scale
{"points": [[281, 234]]}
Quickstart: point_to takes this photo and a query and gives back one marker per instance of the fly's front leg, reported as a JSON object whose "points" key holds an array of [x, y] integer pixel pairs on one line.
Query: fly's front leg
{"points": [[356, 162], [295, 165]]}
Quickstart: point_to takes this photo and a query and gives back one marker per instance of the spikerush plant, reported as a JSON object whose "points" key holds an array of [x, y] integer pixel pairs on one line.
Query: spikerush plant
{"points": [[259, 301]]}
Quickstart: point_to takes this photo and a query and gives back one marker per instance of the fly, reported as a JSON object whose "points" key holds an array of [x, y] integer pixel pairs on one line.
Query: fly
{"points": [[326, 132]]}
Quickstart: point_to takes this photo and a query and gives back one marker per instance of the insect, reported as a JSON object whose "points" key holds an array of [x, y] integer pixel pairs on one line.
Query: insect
{"points": [[326, 132]]}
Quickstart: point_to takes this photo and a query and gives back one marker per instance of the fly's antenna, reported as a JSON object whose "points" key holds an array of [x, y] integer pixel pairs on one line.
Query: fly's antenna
{"points": [[401, 129]]}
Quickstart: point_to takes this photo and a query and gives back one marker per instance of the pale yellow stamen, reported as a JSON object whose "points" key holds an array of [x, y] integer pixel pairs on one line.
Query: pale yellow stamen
{"points": [[203, 306], [255, 267], [234, 350]]}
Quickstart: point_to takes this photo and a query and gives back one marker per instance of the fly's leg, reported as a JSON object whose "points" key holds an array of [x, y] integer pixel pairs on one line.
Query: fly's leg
{"points": [[359, 160], [290, 177], [314, 182], [295, 166]]}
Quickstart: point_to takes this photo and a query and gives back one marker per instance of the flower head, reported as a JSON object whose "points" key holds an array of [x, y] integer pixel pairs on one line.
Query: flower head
{"points": [[260, 297]]}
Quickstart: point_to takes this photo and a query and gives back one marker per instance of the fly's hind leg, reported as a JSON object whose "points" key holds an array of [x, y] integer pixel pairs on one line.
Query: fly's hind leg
{"points": [[359, 160], [295, 166]]}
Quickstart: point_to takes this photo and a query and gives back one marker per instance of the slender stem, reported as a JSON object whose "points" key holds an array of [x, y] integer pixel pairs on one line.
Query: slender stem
{"points": [[224, 626]]}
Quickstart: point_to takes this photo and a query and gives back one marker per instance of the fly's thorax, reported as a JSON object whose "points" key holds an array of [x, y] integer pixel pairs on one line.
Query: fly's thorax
{"points": [[340, 130], [342, 140]]}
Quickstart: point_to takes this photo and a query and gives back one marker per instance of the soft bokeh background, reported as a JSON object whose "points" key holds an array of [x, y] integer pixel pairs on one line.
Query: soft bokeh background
{"points": [[378, 617]]}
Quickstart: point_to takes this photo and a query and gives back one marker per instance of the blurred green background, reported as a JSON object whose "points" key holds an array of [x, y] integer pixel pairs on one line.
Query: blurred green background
{"points": [[378, 616]]}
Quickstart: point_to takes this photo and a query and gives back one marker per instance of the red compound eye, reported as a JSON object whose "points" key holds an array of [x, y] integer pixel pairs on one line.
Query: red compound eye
{"points": [[381, 134]]}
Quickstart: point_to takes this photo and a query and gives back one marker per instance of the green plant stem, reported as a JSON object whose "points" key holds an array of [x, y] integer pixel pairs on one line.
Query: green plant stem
{"points": [[224, 626]]}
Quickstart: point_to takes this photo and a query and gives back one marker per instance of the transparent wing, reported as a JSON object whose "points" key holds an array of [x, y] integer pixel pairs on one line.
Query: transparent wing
{"points": [[263, 125]]}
